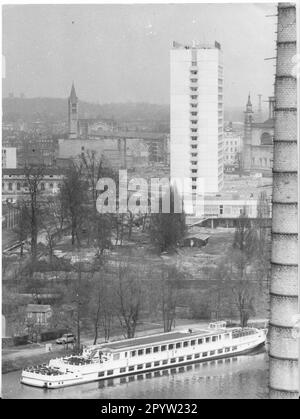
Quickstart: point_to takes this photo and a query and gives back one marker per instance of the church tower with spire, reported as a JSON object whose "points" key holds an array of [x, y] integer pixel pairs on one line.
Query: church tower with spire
{"points": [[247, 135], [73, 113]]}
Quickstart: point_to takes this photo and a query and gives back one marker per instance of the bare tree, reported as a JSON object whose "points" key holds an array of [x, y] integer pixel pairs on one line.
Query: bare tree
{"points": [[242, 290], [245, 236], [22, 228], [244, 300], [218, 298], [263, 248], [73, 196], [53, 223], [102, 306], [107, 317], [13, 310], [167, 229], [94, 168], [168, 290], [128, 296], [34, 176], [77, 293], [102, 232], [130, 218], [119, 221]]}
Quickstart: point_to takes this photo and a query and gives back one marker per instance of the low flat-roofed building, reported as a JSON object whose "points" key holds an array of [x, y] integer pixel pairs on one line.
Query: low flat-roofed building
{"points": [[14, 182], [194, 238]]}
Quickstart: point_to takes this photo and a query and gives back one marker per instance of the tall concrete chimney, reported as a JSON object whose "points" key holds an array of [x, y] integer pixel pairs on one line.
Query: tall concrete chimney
{"points": [[284, 379]]}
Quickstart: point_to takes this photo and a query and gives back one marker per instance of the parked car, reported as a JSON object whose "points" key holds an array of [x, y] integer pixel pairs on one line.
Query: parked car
{"points": [[66, 338]]}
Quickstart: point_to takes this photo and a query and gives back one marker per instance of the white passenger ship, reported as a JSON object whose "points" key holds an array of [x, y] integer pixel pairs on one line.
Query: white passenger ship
{"points": [[142, 354]]}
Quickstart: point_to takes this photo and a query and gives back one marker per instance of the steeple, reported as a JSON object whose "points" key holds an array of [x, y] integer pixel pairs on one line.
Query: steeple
{"points": [[73, 97], [247, 155], [249, 105], [73, 113]]}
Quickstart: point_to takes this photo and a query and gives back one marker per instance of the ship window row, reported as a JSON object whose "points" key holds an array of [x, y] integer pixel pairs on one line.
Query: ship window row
{"points": [[241, 333], [171, 346], [164, 362]]}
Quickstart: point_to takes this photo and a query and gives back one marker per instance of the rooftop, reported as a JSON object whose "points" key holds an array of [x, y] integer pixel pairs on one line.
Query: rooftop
{"points": [[38, 308], [196, 45], [128, 135], [156, 339], [269, 123], [241, 188], [21, 171], [196, 235]]}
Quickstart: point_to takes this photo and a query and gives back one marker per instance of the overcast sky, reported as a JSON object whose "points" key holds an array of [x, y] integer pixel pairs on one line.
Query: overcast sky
{"points": [[119, 53]]}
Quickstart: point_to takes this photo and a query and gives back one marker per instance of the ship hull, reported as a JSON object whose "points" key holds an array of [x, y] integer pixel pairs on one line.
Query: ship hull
{"points": [[66, 381]]}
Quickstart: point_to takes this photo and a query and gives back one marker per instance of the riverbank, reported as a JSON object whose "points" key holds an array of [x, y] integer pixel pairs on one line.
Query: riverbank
{"points": [[17, 358], [17, 364]]}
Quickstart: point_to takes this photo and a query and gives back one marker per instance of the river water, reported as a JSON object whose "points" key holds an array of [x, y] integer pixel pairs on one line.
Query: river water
{"points": [[241, 377]]}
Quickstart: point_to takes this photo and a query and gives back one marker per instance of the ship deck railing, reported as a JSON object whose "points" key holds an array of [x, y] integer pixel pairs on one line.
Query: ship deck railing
{"points": [[43, 370], [242, 333], [77, 360]]}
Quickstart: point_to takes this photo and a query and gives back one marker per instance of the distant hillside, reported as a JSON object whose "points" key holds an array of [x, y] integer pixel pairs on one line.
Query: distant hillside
{"points": [[51, 109]]}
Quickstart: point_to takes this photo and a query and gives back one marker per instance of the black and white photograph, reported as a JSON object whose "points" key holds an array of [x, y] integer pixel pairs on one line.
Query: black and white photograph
{"points": [[150, 203]]}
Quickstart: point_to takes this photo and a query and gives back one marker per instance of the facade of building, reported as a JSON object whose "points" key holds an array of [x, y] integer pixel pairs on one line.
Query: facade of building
{"points": [[121, 150], [232, 146], [14, 183], [112, 150], [31, 148], [38, 314], [196, 141], [258, 141], [230, 208], [9, 157], [40, 150]]}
